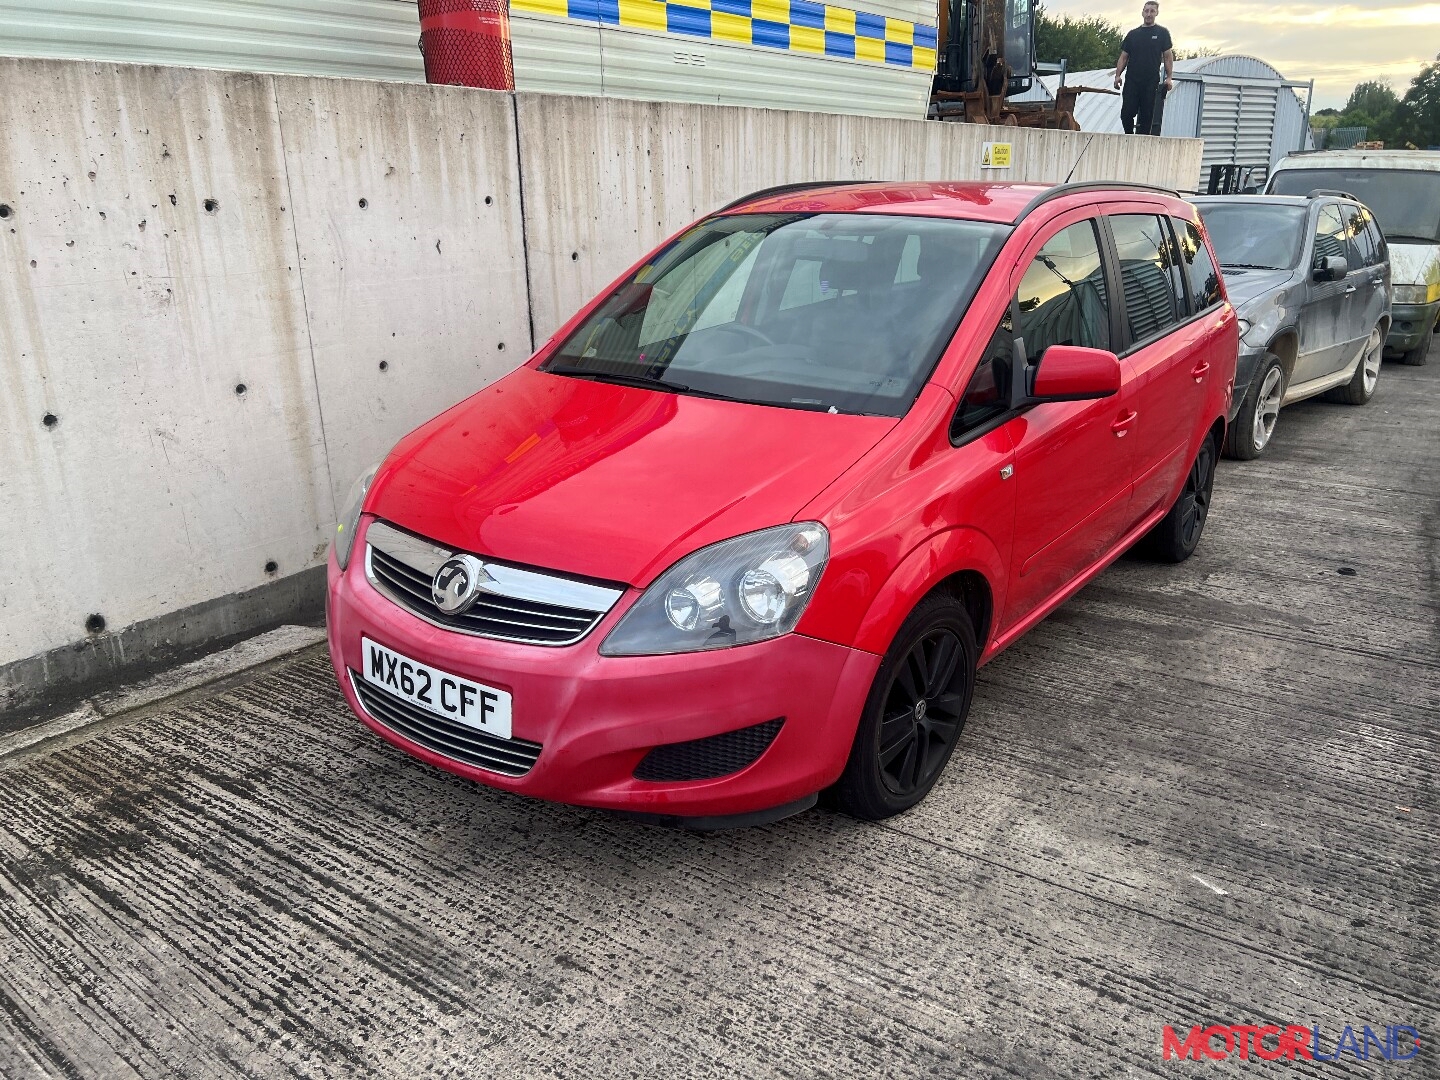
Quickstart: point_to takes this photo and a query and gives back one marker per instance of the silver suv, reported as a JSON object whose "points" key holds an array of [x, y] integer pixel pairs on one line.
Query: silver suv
{"points": [[1310, 278]]}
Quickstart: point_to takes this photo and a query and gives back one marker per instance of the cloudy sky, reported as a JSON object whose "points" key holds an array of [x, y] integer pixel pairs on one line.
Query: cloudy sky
{"points": [[1336, 44]]}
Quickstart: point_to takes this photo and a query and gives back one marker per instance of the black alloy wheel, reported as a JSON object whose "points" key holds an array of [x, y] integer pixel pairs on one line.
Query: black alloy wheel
{"points": [[915, 712], [1175, 538], [1195, 499], [922, 714]]}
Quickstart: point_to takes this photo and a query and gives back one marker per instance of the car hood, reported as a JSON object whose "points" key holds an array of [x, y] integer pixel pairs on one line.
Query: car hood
{"points": [[606, 481], [1246, 286]]}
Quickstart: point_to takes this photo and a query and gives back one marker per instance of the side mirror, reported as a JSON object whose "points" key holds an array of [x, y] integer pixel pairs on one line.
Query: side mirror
{"points": [[1071, 373], [1331, 268]]}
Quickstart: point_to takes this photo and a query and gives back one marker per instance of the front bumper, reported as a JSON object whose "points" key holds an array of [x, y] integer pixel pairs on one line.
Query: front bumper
{"points": [[597, 717], [1246, 364], [1410, 325]]}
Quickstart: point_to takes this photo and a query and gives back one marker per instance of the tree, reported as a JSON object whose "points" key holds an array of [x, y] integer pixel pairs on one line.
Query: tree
{"points": [[1089, 43], [1418, 116], [1373, 106], [1374, 99]]}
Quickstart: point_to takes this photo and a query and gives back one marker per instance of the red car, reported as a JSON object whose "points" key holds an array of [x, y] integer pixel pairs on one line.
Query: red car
{"points": [[745, 527]]}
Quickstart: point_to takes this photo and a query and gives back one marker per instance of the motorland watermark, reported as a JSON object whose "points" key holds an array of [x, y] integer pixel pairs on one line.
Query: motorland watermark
{"points": [[1292, 1042]]}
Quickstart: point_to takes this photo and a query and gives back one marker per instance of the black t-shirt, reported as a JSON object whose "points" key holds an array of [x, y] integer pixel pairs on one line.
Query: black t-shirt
{"points": [[1145, 46]]}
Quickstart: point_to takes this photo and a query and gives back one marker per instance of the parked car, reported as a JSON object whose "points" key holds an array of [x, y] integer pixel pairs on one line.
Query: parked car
{"points": [[1310, 279], [744, 528], [1402, 188]]}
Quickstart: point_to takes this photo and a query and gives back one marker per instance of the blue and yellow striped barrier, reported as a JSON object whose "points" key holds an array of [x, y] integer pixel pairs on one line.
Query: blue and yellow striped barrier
{"points": [[798, 26]]}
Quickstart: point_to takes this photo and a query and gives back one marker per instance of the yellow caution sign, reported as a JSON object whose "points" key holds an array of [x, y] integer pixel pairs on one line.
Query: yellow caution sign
{"points": [[997, 155]]}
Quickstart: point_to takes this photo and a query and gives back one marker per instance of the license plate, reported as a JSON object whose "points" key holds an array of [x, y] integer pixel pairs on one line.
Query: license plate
{"points": [[461, 700]]}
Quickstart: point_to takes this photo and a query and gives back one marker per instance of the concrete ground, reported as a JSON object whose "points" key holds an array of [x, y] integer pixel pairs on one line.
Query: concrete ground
{"points": [[1203, 794]]}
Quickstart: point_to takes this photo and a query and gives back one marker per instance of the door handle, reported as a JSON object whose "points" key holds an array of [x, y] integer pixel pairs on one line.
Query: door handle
{"points": [[1121, 427], [1349, 290], [1200, 370]]}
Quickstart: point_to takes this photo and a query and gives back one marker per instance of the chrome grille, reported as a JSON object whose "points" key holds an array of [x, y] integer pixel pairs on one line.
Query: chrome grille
{"points": [[518, 604], [510, 757]]}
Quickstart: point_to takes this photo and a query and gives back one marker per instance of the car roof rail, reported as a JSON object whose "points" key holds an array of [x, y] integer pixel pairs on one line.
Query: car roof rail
{"points": [[1321, 192], [1061, 190], [785, 189]]}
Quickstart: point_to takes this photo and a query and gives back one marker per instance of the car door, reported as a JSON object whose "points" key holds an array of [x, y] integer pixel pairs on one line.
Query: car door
{"points": [[1326, 321], [1073, 460], [1166, 352], [1367, 276]]}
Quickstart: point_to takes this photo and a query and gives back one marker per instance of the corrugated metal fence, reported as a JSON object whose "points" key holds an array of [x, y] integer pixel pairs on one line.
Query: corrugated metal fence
{"points": [[372, 39]]}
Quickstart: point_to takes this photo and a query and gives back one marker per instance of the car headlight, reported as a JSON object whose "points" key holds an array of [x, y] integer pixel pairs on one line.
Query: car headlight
{"points": [[736, 592], [1411, 294], [350, 519], [1258, 327]]}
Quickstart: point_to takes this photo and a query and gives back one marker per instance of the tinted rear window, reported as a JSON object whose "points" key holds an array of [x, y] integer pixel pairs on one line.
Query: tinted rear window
{"points": [[1204, 279], [1147, 271]]}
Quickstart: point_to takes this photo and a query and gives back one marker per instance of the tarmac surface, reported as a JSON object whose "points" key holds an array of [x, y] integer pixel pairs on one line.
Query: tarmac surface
{"points": [[1202, 794]]}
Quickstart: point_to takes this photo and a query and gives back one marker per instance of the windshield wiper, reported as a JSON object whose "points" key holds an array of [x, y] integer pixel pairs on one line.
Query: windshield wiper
{"points": [[1402, 238], [1248, 266], [643, 383], [623, 380]]}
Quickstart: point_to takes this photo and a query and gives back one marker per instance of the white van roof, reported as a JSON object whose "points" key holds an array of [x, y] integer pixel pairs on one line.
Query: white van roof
{"points": [[1422, 160]]}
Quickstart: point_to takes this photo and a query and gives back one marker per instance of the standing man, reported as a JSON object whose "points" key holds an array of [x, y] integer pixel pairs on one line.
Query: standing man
{"points": [[1145, 49]]}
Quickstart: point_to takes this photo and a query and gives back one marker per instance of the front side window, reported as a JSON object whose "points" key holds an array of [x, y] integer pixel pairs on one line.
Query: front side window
{"points": [[1062, 297], [842, 312], [987, 398], [1148, 270], [1330, 238], [1199, 267]]}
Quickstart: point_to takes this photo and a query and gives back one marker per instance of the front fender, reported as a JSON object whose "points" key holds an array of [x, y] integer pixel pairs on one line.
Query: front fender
{"points": [[926, 566]]}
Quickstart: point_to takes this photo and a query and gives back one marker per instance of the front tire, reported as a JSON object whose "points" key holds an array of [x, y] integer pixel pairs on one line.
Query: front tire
{"points": [[1361, 388], [1417, 356], [914, 713], [1175, 538], [1254, 425]]}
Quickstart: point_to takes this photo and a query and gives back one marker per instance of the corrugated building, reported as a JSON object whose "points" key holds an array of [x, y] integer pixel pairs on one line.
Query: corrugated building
{"points": [[792, 54], [373, 39], [1245, 110], [787, 54]]}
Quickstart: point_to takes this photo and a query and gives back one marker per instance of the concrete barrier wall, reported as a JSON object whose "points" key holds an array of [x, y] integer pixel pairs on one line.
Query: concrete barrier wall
{"points": [[353, 255], [606, 179]]}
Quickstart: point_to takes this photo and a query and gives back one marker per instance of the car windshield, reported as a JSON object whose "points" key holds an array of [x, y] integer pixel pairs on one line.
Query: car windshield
{"points": [[1406, 203], [835, 312], [1255, 235]]}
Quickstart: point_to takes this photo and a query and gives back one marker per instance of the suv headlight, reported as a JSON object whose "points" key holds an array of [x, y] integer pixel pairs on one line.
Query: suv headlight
{"points": [[350, 518], [1411, 294], [736, 592], [1258, 327]]}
